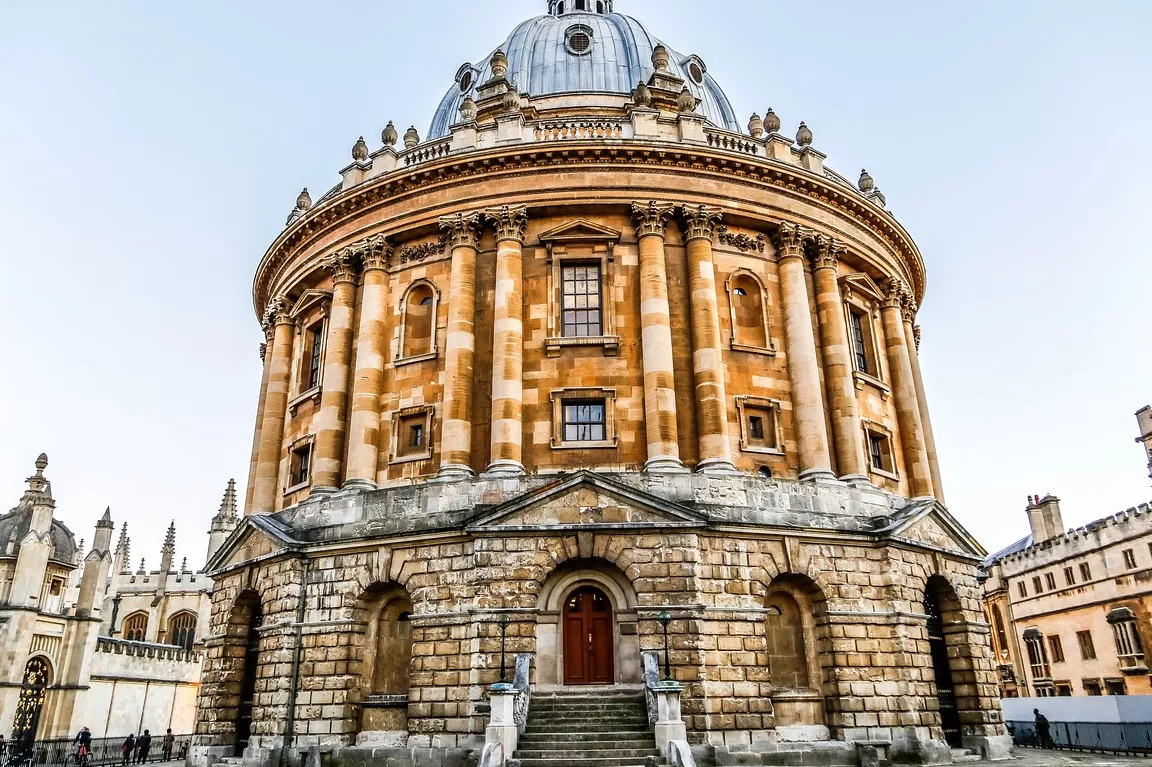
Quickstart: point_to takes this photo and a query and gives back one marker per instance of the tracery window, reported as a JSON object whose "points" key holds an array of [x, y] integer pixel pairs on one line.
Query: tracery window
{"points": [[182, 630], [135, 626]]}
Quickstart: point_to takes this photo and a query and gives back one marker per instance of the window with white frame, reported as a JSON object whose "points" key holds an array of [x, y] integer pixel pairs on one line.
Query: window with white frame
{"points": [[581, 305]]}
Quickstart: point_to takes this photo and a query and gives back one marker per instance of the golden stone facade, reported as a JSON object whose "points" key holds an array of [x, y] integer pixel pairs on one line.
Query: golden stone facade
{"points": [[594, 344]]}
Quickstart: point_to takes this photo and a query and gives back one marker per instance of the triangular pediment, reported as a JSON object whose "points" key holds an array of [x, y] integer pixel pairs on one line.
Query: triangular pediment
{"points": [[863, 285], [257, 537], [580, 230], [587, 500], [928, 523], [308, 299]]}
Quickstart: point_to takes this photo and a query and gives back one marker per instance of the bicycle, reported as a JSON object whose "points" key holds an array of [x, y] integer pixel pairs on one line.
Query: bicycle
{"points": [[77, 759]]}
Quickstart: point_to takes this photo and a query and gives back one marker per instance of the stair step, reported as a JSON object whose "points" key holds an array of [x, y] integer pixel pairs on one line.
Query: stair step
{"points": [[612, 761], [529, 744], [601, 732], [583, 753]]}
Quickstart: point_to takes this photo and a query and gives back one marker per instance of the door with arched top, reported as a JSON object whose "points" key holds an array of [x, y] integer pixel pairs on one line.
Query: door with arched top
{"points": [[37, 677], [588, 637]]}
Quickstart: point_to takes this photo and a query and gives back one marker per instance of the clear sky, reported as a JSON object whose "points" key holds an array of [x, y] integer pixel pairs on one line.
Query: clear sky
{"points": [[150, 151]]}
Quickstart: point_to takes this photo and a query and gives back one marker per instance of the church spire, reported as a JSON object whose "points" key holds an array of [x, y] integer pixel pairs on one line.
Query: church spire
{"points": [[170, 540], [227, 504]]}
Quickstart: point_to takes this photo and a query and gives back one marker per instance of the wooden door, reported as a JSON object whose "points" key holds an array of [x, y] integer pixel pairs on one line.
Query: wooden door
{"points": [[588, 637]]}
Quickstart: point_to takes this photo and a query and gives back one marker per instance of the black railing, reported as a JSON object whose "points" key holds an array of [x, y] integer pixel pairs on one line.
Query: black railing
{"points": [[1114, 737], [62, 752]]}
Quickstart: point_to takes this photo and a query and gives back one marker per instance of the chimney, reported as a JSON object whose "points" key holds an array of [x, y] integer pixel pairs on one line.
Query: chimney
{"points": [[1044, 517], [1144, 419]]}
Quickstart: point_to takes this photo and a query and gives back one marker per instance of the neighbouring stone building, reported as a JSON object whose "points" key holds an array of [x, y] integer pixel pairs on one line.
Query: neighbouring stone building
{"points": [[66, 659], [586, 353], [1070, 608]]}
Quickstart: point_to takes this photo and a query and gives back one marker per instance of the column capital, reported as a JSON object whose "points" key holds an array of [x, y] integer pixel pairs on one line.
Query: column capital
{"points": [[277, 313], [510, 221], [263, 353], [916, 336], [909, 308], [790, 239], [344, 265], [896, 293], [373, 252], [651, 217], [700, 221], [463, 229], [828, 252]]}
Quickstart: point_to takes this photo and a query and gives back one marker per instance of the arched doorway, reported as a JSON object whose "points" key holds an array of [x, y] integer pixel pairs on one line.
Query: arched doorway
{"points": [[248, 682], [37, 677], [938, 645], [588, 637]]}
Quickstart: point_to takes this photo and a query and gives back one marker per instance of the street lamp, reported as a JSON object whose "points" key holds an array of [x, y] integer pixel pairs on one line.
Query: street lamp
{"points": [[503, 633], [665, 618]]}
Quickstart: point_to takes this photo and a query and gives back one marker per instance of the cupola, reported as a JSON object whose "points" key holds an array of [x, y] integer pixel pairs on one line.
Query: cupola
{"points": [[560, 7]]}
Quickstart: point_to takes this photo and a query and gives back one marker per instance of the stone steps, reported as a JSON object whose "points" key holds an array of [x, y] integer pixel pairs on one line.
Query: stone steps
{"points": [[963, 755], [608, 728]]}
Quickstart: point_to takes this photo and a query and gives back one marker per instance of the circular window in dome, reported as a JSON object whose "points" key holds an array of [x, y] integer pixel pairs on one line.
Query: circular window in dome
{"points": [[578, 38], [696, 70]]}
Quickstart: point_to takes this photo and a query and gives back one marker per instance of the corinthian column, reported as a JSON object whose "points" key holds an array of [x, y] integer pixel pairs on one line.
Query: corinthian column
{"points": [[904, 391], [912, 339], [803, 371], [259, 423], [845, 416], [332, 421], [508, 340], [651, 220], [364, 420], [275, 405], [463, 230], [707, 358]]}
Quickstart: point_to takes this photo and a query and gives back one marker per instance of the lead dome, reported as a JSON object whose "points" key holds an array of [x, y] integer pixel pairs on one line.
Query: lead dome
{"points": [[581, 46]]}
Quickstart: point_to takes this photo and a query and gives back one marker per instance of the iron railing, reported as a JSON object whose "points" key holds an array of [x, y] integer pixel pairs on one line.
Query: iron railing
{"points": [[61, 752], [1114, 737]]}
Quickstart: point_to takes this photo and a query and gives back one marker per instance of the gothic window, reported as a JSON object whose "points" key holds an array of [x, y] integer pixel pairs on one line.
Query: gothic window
{"points": [[749, 313], [418, 322], [786, 645], [135, 626], [393, 647], [1129, 648], [182, 630], [581, 313]]}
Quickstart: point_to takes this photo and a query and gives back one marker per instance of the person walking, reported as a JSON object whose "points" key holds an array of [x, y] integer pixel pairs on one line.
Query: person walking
{"points": [[83, 745], [166, 745], [127, 749], [143, 743], [1043, 729]]}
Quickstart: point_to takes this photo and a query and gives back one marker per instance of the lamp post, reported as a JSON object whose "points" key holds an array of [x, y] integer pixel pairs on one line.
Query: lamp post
{"points": [[665, 618], [503, 633]]}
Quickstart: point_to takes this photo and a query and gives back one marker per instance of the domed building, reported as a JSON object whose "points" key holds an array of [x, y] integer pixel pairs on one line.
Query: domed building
{"points": [[594, 393]]}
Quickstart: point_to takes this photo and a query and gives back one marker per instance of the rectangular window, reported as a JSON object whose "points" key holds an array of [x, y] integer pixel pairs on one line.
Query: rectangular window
{"points": [[1063, 689], [316, 344], [1022, 588], [416, 435], [1130, 559], [1055, 650], [1092, 687], [412, 434], [1087, 649], [880, 451], [580, 294], [756, 427], [859, 342], [1050, 581], [1069, 577], [1129, 648], [1085, 572], [1037, 657], [1037, 586], [584, 421], [300, 465], [1115, 687]]}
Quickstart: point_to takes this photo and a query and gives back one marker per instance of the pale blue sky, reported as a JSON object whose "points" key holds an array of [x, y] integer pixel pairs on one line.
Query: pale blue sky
{"points": [[149, 152]]}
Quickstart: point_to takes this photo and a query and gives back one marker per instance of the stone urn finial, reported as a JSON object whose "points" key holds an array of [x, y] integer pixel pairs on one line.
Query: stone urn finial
{"points": [[879, 198], [389, 135], [660, 58], [41, 463], [686, 102], [499, 64], [755, 126], [467, 110], [360, 150], [866, 183], [771, 121], [641, 96], [804, 135], [304, 200], [411, 137]]}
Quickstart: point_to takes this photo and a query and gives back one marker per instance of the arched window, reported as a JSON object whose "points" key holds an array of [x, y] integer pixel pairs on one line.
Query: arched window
{"points": [[749, 312], [786, 646], [418, 323], [182, 630], [393, 647], [135, 626]]}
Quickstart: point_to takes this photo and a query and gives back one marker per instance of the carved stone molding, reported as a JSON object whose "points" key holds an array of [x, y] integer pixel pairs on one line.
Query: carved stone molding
{"points": [[895, 293], [740, 241], [375, 252], [344, 265], [412, 254], [828, 252], [263, 351], [651, 217], [277, 313], [700, 221], [790, 239], [510, 221], [916, 336], [462, 229]]}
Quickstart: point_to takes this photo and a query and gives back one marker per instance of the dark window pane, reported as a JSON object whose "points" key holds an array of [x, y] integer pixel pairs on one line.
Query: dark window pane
{"points": [[581, 301], [860, 352], [756, 427]]}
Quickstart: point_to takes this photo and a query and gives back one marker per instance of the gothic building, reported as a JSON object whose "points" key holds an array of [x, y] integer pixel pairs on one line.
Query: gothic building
{"points": [[84, 641], [586, 355]]}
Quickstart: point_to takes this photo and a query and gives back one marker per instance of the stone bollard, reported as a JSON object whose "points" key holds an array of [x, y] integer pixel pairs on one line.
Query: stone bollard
{"points": [[669, 726], [502, 728]]}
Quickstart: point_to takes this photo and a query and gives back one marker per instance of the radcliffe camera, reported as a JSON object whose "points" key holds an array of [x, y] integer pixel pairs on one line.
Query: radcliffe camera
{"points": [[575, 383]]}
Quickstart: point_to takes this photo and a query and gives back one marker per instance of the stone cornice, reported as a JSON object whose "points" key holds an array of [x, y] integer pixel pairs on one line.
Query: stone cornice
{"points": [[648, 156]]}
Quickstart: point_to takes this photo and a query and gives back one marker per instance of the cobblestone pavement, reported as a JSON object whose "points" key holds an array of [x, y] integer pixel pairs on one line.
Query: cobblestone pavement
{"points": [[1034, 757]]}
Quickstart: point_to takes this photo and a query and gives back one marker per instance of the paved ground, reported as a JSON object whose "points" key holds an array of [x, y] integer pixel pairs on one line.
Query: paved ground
{"points": [[1034, 757]]}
